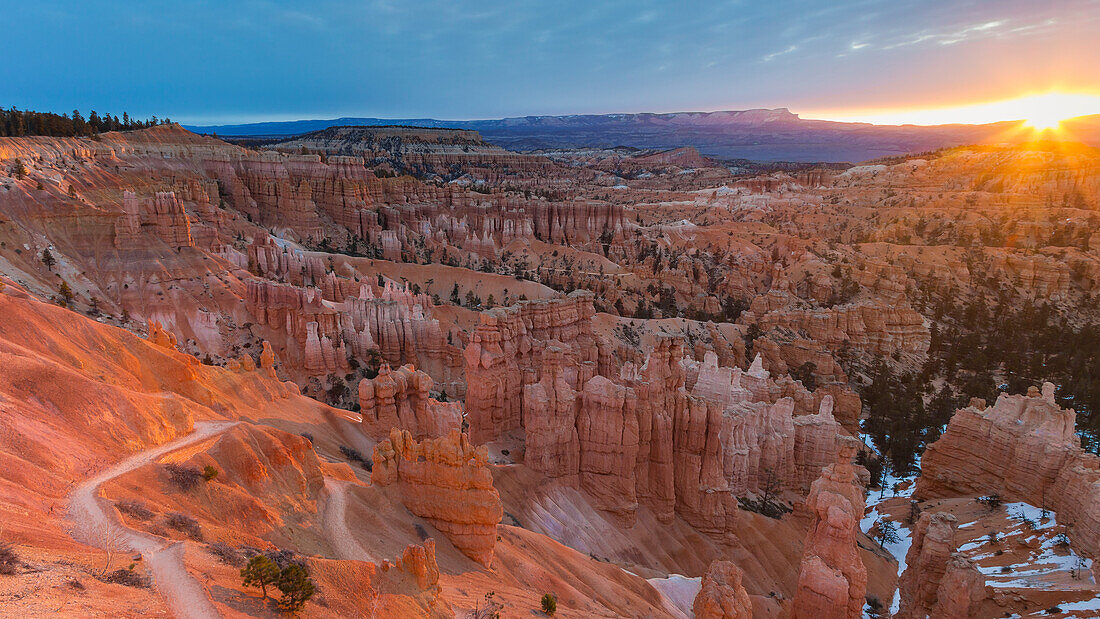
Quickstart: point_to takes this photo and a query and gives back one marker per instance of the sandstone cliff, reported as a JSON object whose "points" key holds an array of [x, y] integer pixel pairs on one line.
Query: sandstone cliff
{"points": [[937, 582], [446, 481], [1023, 448], [721, 595], [400, 399]]}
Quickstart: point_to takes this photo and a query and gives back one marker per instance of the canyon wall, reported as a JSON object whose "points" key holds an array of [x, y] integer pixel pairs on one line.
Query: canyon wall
{"points": [[1023, 448], [680, 437]]}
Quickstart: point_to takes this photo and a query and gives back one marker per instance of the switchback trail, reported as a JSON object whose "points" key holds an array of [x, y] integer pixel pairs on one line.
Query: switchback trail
{"points": [[336, 524], [96, 522]]}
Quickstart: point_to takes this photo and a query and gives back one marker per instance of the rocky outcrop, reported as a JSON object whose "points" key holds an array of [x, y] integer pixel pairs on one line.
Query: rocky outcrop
{"points": [[163, 214], [722, 596], [640, 436], [550, 420], [418, 561], [1023, 448], [882, 326], [504, 352], [399, 324], [962, 591], [159, 336], [937, 582], [832, 581], [446, 481], [400, 399], [764, 444], [607, 432], [388, 321]]}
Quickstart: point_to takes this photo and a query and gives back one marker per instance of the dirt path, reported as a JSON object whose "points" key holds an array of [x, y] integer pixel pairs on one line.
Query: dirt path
{"points": [[96, 522], [336, 523]]}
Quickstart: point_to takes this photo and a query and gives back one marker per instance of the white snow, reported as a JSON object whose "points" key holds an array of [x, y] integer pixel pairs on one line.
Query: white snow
{"points": [[1043, 565], [678, 592], [901, 548], [1093, 604]]}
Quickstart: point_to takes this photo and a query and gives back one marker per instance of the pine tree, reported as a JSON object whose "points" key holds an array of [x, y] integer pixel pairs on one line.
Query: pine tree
{"points": [[296, 586], [887, 532], [66, 293], [260, 572]]}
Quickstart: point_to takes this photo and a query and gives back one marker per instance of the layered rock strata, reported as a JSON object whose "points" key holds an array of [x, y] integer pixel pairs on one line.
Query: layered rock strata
{"points": [[937, 581], [832, 582], [722, 595], [400, 399], [1023, 448], [446, 481]]}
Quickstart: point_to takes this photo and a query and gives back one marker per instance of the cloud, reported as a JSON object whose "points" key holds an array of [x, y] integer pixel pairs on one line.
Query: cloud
{"points": [[772, 56]]}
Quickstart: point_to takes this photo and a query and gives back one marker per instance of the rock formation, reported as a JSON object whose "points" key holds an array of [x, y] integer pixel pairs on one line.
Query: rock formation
{"points": [[722, 596], [832, 582], [418, 561], [640, 435], [159, 336], [550, 420], [879, 327], [1023, 448], [446, 481], [937, 582], [163, 214], [504, 351], [400, 399]]}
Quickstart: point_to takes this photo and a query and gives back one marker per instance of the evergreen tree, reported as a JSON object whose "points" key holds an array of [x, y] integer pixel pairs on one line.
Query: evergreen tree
{"points": [[260, 572], [296, 587]]}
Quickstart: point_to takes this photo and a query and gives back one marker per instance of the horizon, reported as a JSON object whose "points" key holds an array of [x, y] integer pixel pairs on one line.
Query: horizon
{"points": [[855, 119]]}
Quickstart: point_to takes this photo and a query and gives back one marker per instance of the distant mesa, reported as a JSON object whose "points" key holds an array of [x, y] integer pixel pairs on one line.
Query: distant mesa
{"points": [[758, 134]]}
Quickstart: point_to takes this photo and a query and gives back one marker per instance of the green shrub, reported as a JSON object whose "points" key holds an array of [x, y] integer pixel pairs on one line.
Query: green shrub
{"points": [[209, 472], [549, 604]]}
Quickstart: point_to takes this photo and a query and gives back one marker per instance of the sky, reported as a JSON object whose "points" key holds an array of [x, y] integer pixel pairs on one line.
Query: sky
{"points": [[229, 61]]}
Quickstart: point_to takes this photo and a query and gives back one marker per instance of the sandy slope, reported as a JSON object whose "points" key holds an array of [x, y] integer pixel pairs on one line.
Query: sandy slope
{"points": [[95, 522]]}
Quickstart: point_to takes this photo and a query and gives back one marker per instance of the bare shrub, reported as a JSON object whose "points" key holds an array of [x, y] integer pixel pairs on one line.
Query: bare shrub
{"points": [[127, 577], [185, 477], [134, 509], [227, 554], [184, 524], [9, 559]]}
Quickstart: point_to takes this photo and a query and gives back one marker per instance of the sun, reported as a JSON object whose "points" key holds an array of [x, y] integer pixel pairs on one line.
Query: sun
{"points": [[1042, 124], [1039, 112]]}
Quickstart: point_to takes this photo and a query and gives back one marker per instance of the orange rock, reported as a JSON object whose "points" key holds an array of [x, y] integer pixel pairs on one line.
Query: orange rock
{"points": [[399, 399], [722, 596], [159, 336], [447, 482], [832, 581], [1023, 448], [937, 582]]}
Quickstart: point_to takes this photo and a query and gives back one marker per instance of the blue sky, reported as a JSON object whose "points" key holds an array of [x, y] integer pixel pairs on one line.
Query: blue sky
{"points": [[240, 61]]}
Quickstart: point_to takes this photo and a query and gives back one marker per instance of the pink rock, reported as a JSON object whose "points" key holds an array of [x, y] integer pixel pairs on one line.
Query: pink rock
{"points": [[722, 595]]}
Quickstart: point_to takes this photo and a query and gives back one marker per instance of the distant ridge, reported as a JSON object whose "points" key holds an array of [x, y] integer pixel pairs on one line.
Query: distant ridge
{"points": [[758, 134]]}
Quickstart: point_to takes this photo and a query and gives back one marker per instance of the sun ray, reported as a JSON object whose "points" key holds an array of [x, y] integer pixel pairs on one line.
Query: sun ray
{"points": [[1040, 112]]}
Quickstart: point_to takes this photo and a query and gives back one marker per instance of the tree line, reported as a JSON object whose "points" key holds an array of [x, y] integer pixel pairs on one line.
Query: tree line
{"points": [[18, 123]]}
